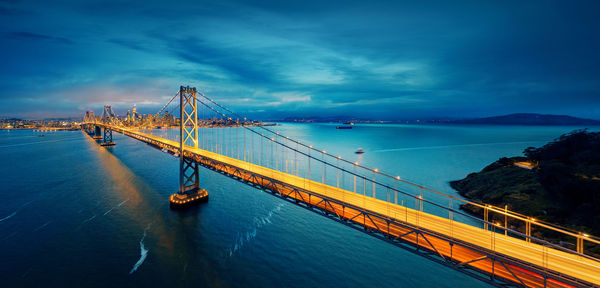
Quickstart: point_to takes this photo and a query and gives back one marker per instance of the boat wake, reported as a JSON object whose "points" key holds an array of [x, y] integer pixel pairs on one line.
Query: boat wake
{"points": [[143, 252], [88, 220], [451, 146], [39, 228], [249, 235], [122, 203], [15, 213], [118, 205], [9, 216], [37, 142]]}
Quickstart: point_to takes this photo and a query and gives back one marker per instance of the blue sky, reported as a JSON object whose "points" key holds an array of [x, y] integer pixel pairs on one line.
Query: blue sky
{"points": [[270, 59]]}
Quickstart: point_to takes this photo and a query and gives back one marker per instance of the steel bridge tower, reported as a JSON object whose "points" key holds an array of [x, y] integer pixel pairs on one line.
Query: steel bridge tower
{"points": [[189, 184], [89, 118], [91, 127], [108, 117]]}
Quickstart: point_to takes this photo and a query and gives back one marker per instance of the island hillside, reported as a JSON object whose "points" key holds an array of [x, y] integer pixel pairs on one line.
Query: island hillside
{"points": [[557, 183]]}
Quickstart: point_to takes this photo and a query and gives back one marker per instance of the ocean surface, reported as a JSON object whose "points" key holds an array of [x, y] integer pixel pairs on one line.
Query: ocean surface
{"points": [[73, 213]]}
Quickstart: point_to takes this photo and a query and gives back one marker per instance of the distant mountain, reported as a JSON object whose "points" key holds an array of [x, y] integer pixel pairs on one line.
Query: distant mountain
{"points": [[529, 119], [321, 119]]}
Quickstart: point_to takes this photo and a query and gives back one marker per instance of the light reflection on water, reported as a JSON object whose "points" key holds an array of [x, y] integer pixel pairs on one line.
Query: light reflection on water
{"points": [[126, 187]]}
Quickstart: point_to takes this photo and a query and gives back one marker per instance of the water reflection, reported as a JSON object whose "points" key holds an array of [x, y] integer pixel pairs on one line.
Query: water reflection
{"points": [[128, 187], [174, 238]]}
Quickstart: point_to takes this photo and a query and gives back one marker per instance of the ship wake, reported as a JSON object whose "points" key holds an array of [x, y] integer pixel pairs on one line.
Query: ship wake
{"points": [[245, 238], [143, 252]]}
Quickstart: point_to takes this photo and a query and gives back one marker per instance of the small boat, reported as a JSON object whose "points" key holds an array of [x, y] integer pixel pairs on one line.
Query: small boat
{"points": [[359, 151], [164, 150], [41, 135], [349, 123], [176, 154], [343, 127]]}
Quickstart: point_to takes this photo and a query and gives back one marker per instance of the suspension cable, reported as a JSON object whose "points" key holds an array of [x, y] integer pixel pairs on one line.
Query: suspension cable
{"points": [[163, 108]]}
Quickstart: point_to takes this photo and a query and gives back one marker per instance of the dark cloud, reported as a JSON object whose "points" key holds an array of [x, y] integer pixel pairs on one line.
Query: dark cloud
{"points": [[391, 59], [241, 67], [131, 44], [36, 36]]}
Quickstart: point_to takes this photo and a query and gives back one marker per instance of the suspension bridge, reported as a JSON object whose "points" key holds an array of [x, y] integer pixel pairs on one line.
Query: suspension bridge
{"points": [[388, 207]]}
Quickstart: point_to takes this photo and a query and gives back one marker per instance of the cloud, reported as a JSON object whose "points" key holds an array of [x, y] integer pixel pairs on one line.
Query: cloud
{"points": [[36, 36], [374, 58], [135, 45]]}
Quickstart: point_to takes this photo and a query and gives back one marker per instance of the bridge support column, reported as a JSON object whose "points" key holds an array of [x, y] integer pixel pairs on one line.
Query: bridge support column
{"points": [[189, 185], [107, 139], [97, 133]]}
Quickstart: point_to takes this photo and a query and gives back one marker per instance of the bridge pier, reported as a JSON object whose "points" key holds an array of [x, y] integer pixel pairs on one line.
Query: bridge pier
{"points": [[107, 139], [97, 133], [89, 129], [189, 185]]}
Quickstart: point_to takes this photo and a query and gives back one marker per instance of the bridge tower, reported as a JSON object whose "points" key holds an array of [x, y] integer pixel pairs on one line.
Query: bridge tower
{"points": [[189, 186], [89, 118], [92, 129], [108, 117]]}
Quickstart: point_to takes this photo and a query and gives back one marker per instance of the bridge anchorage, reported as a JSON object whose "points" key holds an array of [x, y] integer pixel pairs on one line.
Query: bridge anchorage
{"points": [[189, 187]]}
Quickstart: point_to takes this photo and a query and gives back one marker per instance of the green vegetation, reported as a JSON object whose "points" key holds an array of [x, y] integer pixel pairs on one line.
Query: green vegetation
{"points": [[562, 188]]}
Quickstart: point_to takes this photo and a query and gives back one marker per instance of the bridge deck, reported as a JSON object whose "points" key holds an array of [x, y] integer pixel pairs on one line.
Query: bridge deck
{"points": [[547, 258]]}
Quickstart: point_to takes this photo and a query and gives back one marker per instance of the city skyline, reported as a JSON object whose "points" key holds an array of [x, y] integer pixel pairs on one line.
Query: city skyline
{"points": [[371, 60]]}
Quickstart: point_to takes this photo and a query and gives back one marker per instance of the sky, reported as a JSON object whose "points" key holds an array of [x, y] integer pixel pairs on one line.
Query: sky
{"points": [[274, 59]]}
